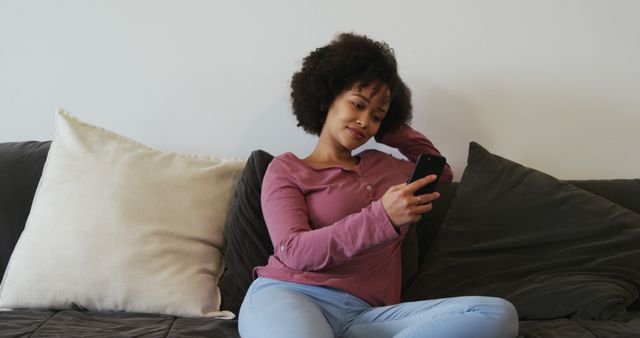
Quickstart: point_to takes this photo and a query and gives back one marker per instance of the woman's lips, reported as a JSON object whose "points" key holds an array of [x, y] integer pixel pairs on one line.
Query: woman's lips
{"points": [[356, 133]]}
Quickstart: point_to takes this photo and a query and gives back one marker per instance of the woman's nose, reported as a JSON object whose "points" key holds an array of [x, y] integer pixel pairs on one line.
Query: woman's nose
{"points": [[363, 120]]}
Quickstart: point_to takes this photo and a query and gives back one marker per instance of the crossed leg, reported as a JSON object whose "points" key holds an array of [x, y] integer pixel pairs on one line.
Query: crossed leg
{"points": [[471, 316]]}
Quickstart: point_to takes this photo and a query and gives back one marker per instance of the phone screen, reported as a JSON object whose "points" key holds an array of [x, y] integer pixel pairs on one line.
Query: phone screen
{"points": [[426, 165]]}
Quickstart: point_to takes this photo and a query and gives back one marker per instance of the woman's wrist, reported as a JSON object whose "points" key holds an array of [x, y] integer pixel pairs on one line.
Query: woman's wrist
{"points": [[390, 137]]}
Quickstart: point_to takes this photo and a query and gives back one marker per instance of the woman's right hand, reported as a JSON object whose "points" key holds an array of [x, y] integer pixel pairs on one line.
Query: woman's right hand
{"points": [[403, 207]]}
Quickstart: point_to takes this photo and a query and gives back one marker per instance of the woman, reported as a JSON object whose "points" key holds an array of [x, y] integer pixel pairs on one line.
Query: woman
{"points": [[337, 220]]}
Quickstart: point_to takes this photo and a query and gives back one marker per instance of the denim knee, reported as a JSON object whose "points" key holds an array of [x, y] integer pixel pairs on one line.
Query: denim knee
{"points": [[507, 315]]}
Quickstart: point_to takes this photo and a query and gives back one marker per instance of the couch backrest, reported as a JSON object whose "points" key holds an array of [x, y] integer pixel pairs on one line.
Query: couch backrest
{"points": [[625, 192], [21, 166]]}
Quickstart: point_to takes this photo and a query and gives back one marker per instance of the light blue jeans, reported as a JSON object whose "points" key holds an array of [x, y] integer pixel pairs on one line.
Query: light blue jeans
{"points": [[276, 309]]}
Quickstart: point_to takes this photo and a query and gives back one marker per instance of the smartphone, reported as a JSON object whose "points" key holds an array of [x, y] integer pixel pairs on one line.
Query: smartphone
{"points": [[426, 165]]}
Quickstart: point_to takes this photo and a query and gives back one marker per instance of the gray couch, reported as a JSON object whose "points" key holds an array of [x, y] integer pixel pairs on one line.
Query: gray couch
{"points": [[248, 245]]}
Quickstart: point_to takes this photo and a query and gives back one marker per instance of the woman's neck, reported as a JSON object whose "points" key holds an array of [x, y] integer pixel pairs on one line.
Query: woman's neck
{"points": [[324, 154], [320, 155]]}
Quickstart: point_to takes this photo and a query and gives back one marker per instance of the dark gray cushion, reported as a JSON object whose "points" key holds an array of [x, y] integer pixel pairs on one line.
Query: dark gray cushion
{"points": [[21, 166], [429, 225], [552, 249], [247, 241]]}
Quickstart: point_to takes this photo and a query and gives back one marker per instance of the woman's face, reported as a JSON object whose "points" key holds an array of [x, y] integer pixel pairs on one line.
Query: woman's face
{"points": [[356, 114]]}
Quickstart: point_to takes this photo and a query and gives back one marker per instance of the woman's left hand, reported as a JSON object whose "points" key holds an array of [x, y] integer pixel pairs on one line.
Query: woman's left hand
{"points": [[403, 207]]}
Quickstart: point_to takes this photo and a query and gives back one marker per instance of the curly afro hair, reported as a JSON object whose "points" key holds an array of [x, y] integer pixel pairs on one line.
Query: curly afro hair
{"points": [[330, 70]]}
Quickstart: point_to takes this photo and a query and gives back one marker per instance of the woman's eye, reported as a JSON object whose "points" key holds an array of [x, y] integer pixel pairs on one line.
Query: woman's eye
{"points": [[377, 119], [357, 105]]}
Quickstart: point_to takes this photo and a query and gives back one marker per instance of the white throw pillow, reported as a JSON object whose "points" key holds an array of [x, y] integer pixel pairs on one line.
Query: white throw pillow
{"points": [[118, 226]]}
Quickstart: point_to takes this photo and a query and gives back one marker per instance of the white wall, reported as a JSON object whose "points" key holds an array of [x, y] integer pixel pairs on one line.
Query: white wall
{"points": [[550, 84]]}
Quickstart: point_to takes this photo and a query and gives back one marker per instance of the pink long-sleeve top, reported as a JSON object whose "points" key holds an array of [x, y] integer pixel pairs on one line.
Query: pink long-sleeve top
{"points": [[328, 226]]}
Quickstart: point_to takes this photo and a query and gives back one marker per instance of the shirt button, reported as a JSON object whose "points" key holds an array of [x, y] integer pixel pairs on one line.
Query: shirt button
{"points": [[282, 248], [369, 188]]}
